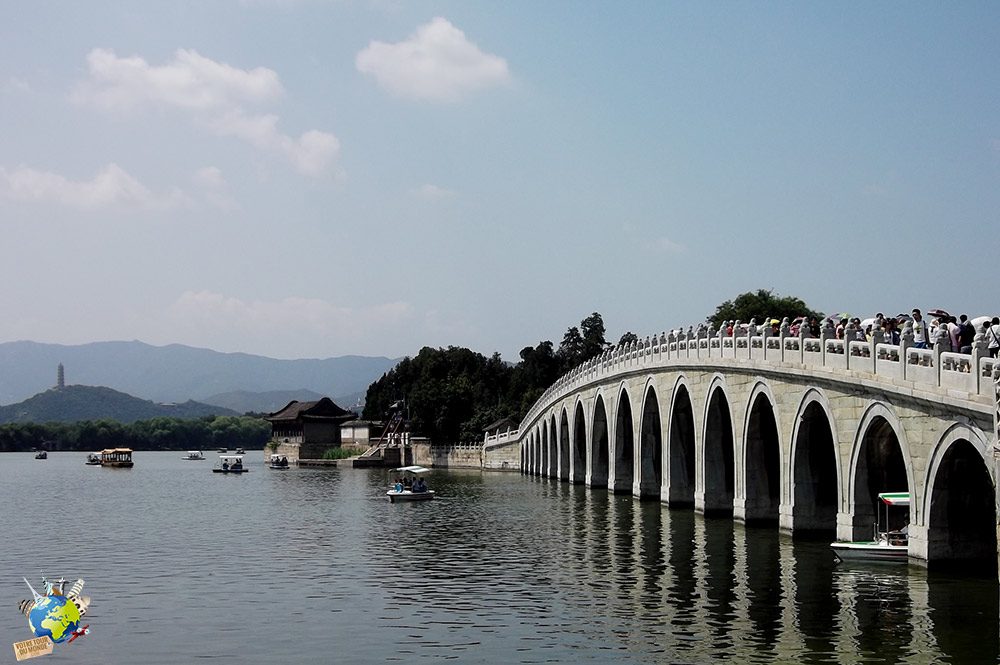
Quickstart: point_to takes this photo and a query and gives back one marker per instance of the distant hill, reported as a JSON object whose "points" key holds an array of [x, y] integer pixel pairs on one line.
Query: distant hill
{"points": [[177, 373], [75, 403], [243, 401]]}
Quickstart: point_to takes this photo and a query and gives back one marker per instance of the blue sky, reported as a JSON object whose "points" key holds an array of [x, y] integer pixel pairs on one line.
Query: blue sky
{"points": [[304, 179]]}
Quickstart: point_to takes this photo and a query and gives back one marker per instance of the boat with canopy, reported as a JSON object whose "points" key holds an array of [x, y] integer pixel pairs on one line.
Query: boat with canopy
{"points": [[887, 546], [410, 485]]}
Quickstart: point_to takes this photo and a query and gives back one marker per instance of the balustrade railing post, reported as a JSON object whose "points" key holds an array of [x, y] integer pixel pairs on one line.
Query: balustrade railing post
{"points": [[905, 343], [825, 333]]}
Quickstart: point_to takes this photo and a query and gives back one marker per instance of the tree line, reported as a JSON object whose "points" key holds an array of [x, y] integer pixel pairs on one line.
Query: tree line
{"points": [[451, 395], [160, 433]]}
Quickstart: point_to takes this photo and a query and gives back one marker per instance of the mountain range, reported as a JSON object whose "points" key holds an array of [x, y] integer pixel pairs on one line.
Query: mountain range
{"points": [[177, 373]]}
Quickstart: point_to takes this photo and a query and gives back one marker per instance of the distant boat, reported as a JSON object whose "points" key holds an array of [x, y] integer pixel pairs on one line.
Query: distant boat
{"points": [[93, 459], [117, 457], [279, 461], [41, 454], [194, 456], [240, 451], [230, 464]]}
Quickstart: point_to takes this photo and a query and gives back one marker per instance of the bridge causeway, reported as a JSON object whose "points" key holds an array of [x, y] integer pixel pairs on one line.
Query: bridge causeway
{"points": [[790, 430]]}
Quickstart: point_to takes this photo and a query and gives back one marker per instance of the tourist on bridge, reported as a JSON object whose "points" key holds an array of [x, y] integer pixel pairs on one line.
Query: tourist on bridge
{"points": [[919, 330]]}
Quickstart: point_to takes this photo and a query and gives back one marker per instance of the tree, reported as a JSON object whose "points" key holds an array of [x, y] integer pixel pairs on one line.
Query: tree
{"points": [[628, 338], [760, 306]]}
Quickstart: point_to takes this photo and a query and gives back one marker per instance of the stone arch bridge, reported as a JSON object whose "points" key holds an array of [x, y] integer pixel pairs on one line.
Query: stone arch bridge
{"points": [[799, 432]]}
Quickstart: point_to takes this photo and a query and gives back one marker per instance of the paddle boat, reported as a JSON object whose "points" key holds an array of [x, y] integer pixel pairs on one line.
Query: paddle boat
{"points": [[887, 546], [93, 459], [41, 454], [410, 485], [230, 464], [194, 456], [120, 458], [279, 461], [240, 451]]}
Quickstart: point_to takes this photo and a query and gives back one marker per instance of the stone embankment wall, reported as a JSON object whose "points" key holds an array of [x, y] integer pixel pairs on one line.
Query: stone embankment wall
{"points": [[458, 455]]}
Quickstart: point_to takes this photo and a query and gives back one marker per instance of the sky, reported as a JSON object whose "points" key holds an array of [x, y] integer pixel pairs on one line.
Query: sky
{"points": [[313, 179]]}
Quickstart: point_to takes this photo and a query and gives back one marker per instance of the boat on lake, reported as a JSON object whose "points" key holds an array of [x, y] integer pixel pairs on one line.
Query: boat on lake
{"points": [[240, 451], [93, 459], [230, 464], [278, 461], [41, 454], [410, 485], [887, 546], [120, 458], [194, 456]]}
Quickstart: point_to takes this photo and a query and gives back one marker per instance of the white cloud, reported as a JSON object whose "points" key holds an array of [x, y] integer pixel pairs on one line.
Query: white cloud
{"points": [[432, 192], [436, 63], [215, 92], [15, 84], [208, 315], [210, 176], [112, 186], [214, 187], [189, 81], [665, 244]]}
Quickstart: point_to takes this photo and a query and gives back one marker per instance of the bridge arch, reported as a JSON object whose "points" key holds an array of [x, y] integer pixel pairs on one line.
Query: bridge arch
{"points": [[553, 446], [718, 454], [599, 444], [564, 461], [680, 446], [960, 505], [624, 446], [760, 456], [880, 462], [815, 490], [650, 462], [579, 468]]}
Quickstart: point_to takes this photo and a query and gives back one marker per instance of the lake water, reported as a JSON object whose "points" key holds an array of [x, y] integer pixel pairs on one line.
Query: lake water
{"points": [[316, 566]]}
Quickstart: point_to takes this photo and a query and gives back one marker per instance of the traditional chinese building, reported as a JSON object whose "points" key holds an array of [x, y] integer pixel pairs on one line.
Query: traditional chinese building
{"points": [[306, 430]]}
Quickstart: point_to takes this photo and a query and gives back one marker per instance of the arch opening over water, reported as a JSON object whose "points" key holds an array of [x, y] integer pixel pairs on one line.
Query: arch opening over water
{"points": [[624, 446], [814, 496], [650, 449], [599, 446], [961, 524], [579, 446], [719, 456], [880, 468], [564, 446], [681, 450], [762, 463]]}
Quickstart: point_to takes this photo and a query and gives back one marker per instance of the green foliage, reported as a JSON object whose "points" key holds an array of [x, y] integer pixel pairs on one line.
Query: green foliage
{"points": [[160, 433], [451, 395], [760, 306], [628, 338], [339, 453]]}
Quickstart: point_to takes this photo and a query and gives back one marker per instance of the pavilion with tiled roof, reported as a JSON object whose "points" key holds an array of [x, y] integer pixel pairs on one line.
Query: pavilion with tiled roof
{"points": [[306, 430]]}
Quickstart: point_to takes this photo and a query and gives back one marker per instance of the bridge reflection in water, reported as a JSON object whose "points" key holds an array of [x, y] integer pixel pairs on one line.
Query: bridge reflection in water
{"points": [[677, 586]]}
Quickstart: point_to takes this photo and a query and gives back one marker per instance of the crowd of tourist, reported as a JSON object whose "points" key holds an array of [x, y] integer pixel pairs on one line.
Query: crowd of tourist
{"points": [[954, 334]]}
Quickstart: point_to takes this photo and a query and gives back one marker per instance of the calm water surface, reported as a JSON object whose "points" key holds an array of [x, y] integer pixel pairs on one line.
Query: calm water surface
{"points": [[316, 566]]}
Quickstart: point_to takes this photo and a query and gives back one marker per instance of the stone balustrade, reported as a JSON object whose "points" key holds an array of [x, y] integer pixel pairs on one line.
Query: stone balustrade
{"points": [[966, 376]]}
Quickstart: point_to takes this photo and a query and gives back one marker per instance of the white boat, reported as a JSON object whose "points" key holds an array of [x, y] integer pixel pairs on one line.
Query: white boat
{"points": [[888, 546], [279, 461], [93, 459], [194, 456], [230, 464], [410, 486]]}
